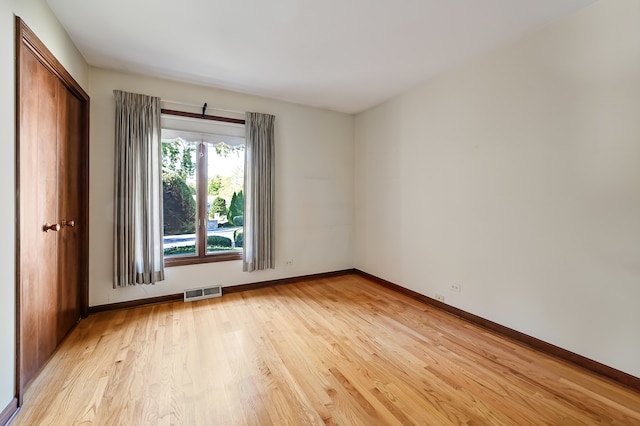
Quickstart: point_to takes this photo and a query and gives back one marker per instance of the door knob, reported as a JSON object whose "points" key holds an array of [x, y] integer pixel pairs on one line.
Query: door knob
{"points": [[70, 223], [54, 227]]}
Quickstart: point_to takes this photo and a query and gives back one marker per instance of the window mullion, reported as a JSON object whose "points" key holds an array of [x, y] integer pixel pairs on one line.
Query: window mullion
{"points": [[202, 199]]}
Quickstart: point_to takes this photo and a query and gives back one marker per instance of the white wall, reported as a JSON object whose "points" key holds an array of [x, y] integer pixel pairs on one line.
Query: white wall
{"points": [[314, 188], [41, 20], [517, 176]]}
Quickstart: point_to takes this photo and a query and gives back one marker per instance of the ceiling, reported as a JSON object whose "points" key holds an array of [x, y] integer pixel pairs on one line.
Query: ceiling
{"points": [[343, 55]]}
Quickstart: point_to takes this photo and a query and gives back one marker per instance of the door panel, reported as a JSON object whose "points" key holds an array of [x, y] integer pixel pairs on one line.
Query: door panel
{"points": [[38, 176], [69, 151]]}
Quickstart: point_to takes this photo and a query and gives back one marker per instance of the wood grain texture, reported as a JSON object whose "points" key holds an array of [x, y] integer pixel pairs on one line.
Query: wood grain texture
{"points": [[37, 206], [342, 350], [70, 199], [51, 184], [548, 348]]}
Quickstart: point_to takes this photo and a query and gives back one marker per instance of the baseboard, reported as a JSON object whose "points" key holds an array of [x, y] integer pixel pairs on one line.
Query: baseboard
{"points": [[291, 280], [136, 303], [540, 345], [9, 412], [225, 290]]}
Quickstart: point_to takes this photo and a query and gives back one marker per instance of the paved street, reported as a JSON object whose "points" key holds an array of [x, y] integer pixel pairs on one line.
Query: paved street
{"points": [[189, 239]]}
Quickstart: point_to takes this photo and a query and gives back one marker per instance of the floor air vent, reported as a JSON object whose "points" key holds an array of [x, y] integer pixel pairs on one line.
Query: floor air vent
{"points": [[202, 293]]}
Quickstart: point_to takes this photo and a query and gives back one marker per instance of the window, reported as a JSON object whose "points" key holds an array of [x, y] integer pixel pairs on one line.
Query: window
{"points": [[202, 187]]}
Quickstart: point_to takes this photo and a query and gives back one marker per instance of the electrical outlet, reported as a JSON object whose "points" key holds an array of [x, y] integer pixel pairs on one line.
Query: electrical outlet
{"points": [[440, 297], [289, 262], [456, 287]]}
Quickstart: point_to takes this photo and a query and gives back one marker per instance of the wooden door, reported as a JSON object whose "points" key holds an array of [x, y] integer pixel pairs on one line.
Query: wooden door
{"points": [[52, 210], [69, 190], [38, 205]]}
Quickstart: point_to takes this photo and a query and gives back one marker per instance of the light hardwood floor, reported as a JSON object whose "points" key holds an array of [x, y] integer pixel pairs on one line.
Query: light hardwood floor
{"points": [[337, 351]]}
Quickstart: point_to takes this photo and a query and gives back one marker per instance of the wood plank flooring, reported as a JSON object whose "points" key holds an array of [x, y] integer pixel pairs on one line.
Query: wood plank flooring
{"points": [[337, 351]]}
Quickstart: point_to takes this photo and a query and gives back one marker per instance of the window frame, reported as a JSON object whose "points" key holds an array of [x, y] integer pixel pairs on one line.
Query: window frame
{"points": [[201, 255]]}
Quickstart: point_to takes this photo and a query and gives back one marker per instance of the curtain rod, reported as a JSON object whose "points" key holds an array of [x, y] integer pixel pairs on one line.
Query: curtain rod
{"points": [[200, 106], [202, 116]]}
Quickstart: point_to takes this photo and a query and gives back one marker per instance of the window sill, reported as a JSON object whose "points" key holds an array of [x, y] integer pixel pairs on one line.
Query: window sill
{"points": [[194, 260]]}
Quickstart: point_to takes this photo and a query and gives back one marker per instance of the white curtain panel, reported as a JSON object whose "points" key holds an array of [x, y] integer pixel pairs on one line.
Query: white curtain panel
{"points": [[137, 233], [259, 192]]}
